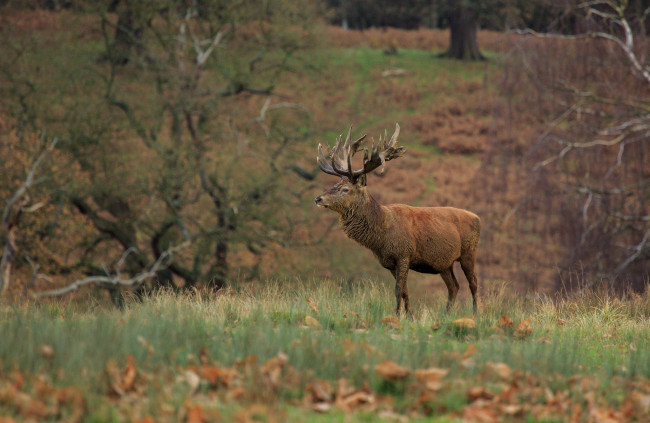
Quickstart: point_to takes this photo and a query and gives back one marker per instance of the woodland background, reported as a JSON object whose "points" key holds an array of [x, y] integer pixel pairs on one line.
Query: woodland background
{"points": [[172, 143]]}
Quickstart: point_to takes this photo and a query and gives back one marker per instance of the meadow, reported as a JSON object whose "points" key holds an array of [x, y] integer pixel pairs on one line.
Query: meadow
{"points": [[324, 350]]}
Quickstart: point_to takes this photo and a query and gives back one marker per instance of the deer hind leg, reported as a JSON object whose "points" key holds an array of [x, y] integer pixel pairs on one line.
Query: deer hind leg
{"points": [[452, 285], [400, 273], [467, 264]]}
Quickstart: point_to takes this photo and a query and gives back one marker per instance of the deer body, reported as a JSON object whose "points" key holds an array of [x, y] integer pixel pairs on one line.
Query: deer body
{"points": [[403, 238]]}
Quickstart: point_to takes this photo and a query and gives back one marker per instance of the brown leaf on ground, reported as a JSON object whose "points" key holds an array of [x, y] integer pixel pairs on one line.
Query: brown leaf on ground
{"points": [[17, 378], [312, 304], [73, 397], [391, 321], [362, 398], [272, 369], [478, 392], [465, 322], [7, 420], [216, 376], [479, 415], [319, 391], [46, 351], [467, 359], [390, 370], [145, 419], [129, 374], [24, 404], [311, 322], [195, 414], [501, 370], [505, 322], [524, 329], [469, 352], [431, 377]]}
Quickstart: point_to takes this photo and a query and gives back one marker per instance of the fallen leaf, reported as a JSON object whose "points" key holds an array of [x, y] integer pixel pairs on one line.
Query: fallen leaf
{"points": [[216, 376], [466, 323], [192, 379], [524, 329], [561, 322], [478, 392], [321, 407], [501, 370], [311, 322], [469, 352], [357, 399], [129, 374], [431, 377], [47, 351], [195, 414], [479, 415], [391, 371], [145, 419], [391, 321], [320, 391], [312, 305], [505, 322], [641, 401], [511, 409], [273, 367]]}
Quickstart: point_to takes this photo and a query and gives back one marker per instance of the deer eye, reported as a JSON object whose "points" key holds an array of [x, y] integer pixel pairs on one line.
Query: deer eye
{"points": [[344, 190]]}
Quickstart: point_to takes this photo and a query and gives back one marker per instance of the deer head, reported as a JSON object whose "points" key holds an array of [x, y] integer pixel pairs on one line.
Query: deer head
{"points": [[338, 162]]}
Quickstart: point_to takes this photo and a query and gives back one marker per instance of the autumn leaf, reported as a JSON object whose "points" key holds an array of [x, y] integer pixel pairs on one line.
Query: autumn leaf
{"points": [[466, 359], [311, 322], [391, 321], [320, 391], [121, 382], [501, 370], [130, 372], [478, 392], [465, 323], [46, 351], [195, 414], [272, 369], [312, 305], [524, 329], [390, 370], [505, 322], [431, 377], [145, 419]]}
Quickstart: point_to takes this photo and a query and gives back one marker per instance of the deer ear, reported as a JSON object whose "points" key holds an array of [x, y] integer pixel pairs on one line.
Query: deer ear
{"points": [[362, 180]]}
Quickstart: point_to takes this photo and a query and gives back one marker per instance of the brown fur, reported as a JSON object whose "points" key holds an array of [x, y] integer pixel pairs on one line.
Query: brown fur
{"points": [[403, 238]]}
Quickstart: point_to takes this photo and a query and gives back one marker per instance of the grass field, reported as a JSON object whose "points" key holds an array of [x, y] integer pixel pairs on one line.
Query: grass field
{"points": [[323, 351]]}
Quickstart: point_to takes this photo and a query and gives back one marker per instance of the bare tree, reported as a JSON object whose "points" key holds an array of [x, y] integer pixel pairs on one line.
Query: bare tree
{"points": [[591, 159], [19, 203]]}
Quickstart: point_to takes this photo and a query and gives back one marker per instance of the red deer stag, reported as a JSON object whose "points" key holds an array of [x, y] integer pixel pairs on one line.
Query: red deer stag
{"points": [[423, 239]]}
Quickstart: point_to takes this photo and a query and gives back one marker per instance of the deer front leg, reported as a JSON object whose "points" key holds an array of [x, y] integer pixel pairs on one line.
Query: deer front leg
{"points": [[401, 287]]}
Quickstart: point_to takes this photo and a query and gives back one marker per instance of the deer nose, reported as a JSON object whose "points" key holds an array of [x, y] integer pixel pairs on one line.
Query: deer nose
{"points": [[317, 200]]}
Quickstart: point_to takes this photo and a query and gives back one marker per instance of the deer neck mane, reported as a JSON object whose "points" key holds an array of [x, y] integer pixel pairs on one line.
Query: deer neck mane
{"points": [[364, 222]]}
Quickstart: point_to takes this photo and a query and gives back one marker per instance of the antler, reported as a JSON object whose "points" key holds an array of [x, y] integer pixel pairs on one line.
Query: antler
{"points": [[341, 156]]}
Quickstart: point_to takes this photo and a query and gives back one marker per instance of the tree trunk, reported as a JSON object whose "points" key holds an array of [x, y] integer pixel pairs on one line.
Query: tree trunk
{"points": [[463, 27], [7, 259], [128, 34]]}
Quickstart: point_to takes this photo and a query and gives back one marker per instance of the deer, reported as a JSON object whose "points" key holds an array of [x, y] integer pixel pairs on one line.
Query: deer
{"points": [[423, 239]]}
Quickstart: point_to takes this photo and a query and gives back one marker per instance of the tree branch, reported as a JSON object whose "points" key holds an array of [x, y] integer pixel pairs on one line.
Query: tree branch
{"points": [[116, 280]]}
